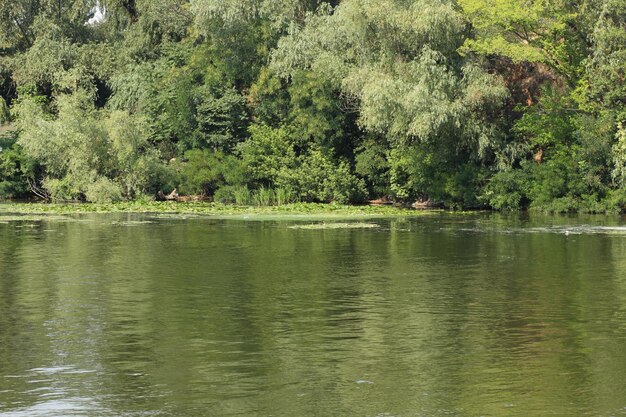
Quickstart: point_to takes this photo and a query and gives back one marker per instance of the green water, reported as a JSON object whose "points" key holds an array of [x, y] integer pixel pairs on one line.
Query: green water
{"points": [[473, 315]]}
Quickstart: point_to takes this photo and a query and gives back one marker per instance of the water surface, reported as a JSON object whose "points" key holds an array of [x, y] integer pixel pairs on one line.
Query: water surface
{"points": [[463, 315]]}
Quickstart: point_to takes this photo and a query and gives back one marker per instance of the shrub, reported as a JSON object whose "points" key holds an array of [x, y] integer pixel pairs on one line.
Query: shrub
{"points": [[15, 170], [103, 190], [205, 171], [62, 189], [507, 190]]}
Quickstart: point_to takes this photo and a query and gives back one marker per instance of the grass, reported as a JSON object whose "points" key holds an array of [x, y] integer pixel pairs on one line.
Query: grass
{"points": [[204, 208]]}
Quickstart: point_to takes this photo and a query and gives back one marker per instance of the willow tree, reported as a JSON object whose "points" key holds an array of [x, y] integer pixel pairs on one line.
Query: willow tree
{"points": [[607, 65], [603, 85], [243, 32], [397, 62], [87, 153]]}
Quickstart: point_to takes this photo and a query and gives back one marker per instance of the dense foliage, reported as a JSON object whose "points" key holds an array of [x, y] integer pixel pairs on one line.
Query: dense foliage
{"points": [[504, 104]]}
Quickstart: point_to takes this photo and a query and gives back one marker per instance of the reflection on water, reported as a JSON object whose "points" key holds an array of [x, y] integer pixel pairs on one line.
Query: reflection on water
{"points": [[442, 315]]}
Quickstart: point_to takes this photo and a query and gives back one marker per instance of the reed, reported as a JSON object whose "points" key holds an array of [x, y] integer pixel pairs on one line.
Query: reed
{"points": [[242, 196], [284, 196], [264, 197]]}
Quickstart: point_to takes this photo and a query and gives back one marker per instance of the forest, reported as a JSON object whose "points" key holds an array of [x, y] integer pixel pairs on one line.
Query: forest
{"points": [[466, 104]]}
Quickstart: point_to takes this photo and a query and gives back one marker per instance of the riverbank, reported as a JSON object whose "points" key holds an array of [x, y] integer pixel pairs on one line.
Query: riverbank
{"points": [[203, 208]]}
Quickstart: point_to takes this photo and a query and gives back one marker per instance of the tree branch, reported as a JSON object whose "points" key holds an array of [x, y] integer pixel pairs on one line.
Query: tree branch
{"points": [[24, 33]]}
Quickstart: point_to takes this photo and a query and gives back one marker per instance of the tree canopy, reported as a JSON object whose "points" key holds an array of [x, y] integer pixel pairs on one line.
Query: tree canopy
{"points": [[501, 104]]}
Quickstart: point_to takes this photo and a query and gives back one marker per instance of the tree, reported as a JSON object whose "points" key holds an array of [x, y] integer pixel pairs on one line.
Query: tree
{"points": [[398, 63], [87, 153], [553, 33], [604, 84], [243, 32]]}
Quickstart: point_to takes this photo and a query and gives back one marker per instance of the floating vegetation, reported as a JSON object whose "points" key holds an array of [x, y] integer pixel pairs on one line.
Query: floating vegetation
{"points": [[131, 223], [175, 216], [213, 209], [324, 226], [6, 219]]}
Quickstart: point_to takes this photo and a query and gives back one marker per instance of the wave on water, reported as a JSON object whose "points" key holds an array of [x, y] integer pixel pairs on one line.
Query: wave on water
{"points": [[563, 230]]}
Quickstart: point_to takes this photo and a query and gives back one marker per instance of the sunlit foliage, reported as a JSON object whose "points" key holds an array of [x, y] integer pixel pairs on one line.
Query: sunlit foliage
{"points": [[503, 104]]}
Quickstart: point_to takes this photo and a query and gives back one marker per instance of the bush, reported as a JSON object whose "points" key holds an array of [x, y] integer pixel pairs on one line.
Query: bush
{"points": [[62, 189], [559, 183], [267, 152], [15, 170], [371, 163], [565, 204], [319, 178], [311, 174], [205, 171], [341, 186], [102, 191], [616, 201], [507, 190]]}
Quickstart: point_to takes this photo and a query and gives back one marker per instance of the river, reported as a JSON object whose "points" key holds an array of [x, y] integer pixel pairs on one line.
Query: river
{"points": [[440, 315]]}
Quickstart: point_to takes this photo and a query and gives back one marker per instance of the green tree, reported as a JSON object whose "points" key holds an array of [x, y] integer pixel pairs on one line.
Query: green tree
{"points": [[553, 33], [398, 63], [205, 171], [88, 153]]}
